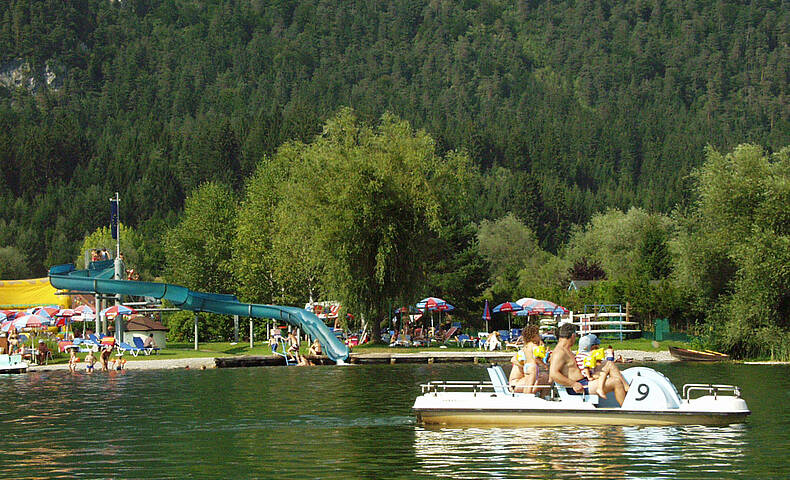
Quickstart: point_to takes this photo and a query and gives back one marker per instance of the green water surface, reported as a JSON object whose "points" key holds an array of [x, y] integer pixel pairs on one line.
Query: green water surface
{"points": [[355, 422]]}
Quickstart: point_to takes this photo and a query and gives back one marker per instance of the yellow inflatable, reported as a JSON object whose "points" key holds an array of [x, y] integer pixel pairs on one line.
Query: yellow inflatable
{"points": [[18, 294]]}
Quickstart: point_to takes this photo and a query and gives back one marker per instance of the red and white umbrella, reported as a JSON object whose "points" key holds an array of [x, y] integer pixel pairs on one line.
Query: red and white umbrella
{"points": [[47, 311], [83, 309], [30, 320], [117, 310]]}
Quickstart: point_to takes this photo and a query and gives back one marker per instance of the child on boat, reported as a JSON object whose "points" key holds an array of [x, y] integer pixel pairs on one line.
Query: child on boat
{"points": [[596, 355]]}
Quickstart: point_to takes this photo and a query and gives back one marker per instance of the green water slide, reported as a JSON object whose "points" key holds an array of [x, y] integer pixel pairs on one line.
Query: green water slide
{"points": [[98, 278]]}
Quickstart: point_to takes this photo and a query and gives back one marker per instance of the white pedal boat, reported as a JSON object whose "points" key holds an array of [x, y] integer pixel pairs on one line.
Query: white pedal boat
{"points": [[651, 400]]}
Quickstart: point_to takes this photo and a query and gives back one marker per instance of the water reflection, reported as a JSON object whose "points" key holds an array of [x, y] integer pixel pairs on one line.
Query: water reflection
{"points": [[565, 452]]}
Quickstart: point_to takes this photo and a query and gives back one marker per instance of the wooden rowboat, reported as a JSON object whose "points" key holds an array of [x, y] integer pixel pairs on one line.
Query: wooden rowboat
{"points": [[697, 355]]}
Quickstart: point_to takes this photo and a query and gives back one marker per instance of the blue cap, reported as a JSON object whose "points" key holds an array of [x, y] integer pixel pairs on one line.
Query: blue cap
{"points": [[587, 342]]}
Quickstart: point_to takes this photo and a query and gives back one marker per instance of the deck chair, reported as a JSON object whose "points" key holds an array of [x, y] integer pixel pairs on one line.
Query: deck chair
{"points": [[138, 342], [449, 334], [123, 347], [463, 339]]}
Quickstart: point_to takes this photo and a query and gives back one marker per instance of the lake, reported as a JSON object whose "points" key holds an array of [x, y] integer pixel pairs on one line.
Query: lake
{"points": [[354, 422]]}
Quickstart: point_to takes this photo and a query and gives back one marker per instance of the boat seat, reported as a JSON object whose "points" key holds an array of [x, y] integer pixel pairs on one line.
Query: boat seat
{"points": [[499, 380], [567, 397]]}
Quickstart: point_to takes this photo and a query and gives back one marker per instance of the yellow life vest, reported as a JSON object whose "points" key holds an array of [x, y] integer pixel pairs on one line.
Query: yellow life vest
{"points": [[539, 351], [594, 357]]}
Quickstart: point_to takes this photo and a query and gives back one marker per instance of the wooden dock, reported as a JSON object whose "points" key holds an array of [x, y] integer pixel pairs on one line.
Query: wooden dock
{"points": [[475, 356]]}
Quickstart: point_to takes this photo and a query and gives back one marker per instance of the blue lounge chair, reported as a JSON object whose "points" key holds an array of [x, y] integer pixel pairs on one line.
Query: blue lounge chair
{"points": [[138, 342], [86, 345], [125, 347], [463, 339]]}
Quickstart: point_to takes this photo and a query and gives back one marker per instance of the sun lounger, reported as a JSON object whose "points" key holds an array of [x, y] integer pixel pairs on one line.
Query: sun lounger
{"points": [[123, 347], [463, 339], [138, 342]]}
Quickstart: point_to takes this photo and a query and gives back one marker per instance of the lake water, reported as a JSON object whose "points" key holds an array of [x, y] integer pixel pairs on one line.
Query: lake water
{"points": [[354, 422]]}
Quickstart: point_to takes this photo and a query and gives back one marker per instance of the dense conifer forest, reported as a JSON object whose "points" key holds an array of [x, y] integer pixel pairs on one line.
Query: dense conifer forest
{"points": [[564, 112]]}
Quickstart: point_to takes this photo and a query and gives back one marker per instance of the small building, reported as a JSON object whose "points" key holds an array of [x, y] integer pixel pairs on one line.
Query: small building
{"points": [[580, 284], [142, 326]]}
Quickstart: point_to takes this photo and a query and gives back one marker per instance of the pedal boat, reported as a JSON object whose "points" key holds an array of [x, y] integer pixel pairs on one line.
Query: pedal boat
{"points": [[651, 400], [12, 364]]}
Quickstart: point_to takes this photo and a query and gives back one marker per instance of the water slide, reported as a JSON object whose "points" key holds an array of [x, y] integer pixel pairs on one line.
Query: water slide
{"points": [[98, 278]]}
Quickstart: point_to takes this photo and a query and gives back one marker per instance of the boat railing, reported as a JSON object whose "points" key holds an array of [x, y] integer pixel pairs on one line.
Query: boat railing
{"points": [[711, 389], [475, 386]]}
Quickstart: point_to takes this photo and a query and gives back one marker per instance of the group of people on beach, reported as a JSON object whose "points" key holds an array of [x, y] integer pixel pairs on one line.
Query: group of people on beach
{"points": [[592, 369], [105, 359]]}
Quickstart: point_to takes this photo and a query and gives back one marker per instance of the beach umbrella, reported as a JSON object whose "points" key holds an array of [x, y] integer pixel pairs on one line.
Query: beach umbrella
{"points": [[3, 317], [117, 310], [486, 315], [430, 303], [6, 325], [29, 320], [66, 312], [546, 307], [47, 311], [83, 309], [508, 307], [434, 304]]}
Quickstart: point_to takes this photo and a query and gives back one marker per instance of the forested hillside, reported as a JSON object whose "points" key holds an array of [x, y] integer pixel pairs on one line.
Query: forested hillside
{"points": [[378, 152], [585, 104]]}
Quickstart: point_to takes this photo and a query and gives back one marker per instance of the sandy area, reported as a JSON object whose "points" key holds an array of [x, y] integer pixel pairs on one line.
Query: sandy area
{"points": [[169, 363]]}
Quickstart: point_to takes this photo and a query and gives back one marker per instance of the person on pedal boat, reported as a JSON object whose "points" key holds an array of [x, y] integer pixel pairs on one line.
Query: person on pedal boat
{"points": [[566, 372]]}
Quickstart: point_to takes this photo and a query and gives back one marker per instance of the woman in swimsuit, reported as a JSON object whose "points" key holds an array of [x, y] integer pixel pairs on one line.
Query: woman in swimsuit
{"points": [[535, 371]]}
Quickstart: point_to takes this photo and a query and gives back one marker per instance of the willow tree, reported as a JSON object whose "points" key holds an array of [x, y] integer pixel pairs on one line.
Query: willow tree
{"points": [[358, 209], [734, 250]]}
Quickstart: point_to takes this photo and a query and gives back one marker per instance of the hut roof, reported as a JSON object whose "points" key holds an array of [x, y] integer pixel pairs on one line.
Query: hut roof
{"points": [[141, 322]]}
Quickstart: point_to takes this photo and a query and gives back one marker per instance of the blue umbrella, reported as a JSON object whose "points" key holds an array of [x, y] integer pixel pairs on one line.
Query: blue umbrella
{"points": [[508, 307]]}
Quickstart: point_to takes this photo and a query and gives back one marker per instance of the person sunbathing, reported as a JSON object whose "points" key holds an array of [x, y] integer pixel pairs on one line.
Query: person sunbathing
{"points": [[315, 348]]}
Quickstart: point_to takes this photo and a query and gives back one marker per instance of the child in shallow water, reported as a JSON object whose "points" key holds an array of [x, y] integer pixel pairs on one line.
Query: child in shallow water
{"points": [[90, 360], [73, 359]]}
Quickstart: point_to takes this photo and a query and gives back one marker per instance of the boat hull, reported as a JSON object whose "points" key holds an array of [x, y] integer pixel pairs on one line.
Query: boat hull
{"points": [[697, 356], [14, 369], [450, 417]]}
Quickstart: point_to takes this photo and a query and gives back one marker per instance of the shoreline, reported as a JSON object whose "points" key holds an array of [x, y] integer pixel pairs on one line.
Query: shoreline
{"points": [[202, 363]]}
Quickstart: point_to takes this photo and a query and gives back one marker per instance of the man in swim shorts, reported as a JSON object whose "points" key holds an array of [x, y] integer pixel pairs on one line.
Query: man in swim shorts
{"points": [[564, 370]]}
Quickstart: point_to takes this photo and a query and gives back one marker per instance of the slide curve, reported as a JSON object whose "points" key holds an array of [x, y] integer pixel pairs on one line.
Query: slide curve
{"points": [[98, 278]]}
